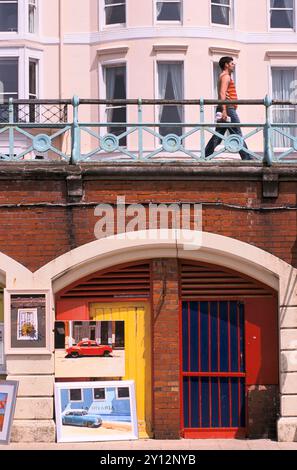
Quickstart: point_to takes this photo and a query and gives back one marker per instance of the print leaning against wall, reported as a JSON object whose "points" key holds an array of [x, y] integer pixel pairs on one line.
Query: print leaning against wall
{"points": [[95, 411], [89, 349], [8, 393]]}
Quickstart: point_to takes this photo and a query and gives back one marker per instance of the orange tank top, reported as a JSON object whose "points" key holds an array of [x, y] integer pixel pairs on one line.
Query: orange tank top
{"points": [[232, 92]]}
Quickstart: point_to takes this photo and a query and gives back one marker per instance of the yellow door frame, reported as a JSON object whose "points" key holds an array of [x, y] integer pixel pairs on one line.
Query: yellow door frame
{"points": [[138, 359]]}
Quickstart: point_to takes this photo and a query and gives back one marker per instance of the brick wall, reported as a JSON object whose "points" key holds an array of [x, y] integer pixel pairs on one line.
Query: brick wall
{"points": [[39, 221], [166, 394]]}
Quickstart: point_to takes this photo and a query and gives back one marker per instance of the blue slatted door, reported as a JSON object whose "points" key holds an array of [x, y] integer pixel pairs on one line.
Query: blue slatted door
{"points": [[213, 370]]}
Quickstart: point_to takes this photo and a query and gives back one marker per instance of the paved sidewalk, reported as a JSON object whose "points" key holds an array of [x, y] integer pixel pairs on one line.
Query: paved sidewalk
{"points": [[144, 444]]}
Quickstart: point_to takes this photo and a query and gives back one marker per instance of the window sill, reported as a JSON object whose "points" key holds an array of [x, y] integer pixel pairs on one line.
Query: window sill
{"points": [[168, 22], [113, 26], [282, 30], [225, 26], [9, 35]]}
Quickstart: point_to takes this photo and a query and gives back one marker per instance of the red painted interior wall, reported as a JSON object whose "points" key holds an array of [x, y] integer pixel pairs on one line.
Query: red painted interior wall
{"points": [[261, 341]]}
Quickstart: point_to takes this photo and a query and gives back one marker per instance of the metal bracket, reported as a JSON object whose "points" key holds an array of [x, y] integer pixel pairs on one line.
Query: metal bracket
{"points": [[270, 185], [74, 187]]}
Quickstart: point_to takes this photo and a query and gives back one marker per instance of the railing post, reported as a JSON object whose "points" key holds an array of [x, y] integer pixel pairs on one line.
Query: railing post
{"points": [[268, 149], [75, 133], [202, 133], [11, 129], [140, 130]]}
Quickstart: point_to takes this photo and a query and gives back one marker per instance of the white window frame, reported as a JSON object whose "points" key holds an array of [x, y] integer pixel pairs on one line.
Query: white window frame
{"points": [[76, 401], [99, 399], [18, 15], [156, 74], [165, 22], [122, 398], [232, 15], [23, 22], [282, 67], [270, 29], [102, 90], [23, 55], [37, 13], [36, 61], [102, 17], [213, 62]]}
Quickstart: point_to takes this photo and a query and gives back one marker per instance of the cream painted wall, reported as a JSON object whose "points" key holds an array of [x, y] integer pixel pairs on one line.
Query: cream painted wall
{"points": [[73, 64], [79, 48], [49, 18], [77, 15]]}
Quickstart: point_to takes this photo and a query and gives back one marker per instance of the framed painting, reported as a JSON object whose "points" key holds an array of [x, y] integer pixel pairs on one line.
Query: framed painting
{"points": [[95, 411], [27, 321]]}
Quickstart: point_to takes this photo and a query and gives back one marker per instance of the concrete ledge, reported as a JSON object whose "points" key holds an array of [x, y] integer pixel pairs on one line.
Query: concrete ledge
{"points": [[34, 408], [289, 383], [289, 405], [34, 385], [33, 431], [216, 169], [29, 364], [287, 429]]}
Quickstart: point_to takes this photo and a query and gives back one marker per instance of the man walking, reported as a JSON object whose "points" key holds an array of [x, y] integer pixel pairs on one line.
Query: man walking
{"points": [[226, 91]]}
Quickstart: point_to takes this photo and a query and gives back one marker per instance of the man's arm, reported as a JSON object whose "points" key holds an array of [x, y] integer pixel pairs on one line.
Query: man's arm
{"points": [[223, 87]]}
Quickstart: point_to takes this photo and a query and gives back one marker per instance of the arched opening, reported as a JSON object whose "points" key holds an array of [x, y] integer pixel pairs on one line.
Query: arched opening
{"points": [[110, 307], [228, 344]]}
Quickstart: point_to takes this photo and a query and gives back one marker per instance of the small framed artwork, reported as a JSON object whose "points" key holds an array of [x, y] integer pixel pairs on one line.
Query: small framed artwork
{"points": [[27, 324], [27, 319], [95, 411], [8, 394]]}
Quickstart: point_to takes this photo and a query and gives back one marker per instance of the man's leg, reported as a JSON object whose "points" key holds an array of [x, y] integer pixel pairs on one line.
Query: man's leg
{"points": [[214, 141], [236, 130]]}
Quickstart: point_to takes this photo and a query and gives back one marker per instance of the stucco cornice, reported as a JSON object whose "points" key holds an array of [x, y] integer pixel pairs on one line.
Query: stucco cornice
{"points": [[152, 32]]}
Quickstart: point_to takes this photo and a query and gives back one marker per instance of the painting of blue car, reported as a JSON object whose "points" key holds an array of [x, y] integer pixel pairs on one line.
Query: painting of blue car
{"points": [[79, 417]]}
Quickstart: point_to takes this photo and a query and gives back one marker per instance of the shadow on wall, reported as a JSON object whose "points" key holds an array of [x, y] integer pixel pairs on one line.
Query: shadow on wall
{"points": [[290, 289]]}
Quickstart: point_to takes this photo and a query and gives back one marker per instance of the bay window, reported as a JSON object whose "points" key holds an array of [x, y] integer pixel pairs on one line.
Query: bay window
{"points": [[32, 16], [115, 85], [221, 12], [8, 16], [171, 87], [18, 16], [216, 74], [282, 14], [9, 79], [15, 86], [115, 12], [168, 10], [282, 82], [33, 110]]}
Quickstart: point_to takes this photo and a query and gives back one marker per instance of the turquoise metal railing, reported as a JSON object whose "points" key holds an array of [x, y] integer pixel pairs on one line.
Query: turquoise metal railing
{"points": [[52, 130]]}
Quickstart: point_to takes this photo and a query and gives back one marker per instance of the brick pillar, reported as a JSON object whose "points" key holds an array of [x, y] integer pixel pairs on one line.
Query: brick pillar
{"points": [[166, 391]]}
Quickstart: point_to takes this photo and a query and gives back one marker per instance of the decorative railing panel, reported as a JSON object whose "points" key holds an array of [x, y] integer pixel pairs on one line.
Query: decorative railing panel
{"points": [[71, 130]]}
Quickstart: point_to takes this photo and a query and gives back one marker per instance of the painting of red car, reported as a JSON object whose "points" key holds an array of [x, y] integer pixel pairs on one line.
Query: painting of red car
{"points": [[89, 348]]}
